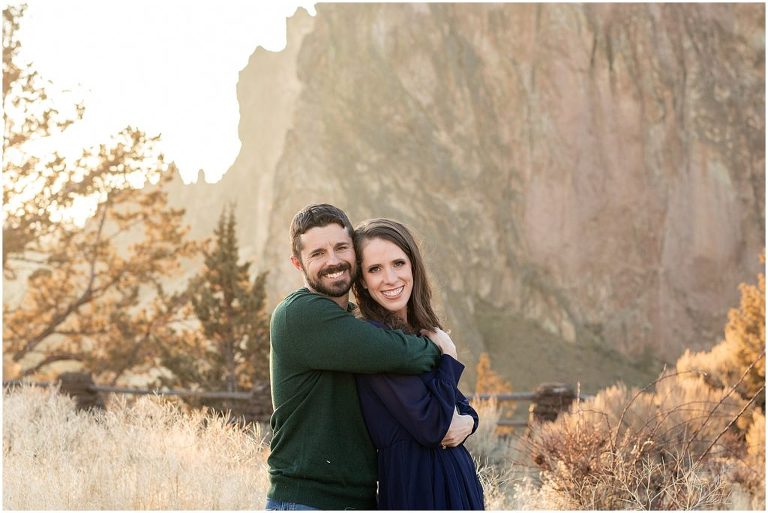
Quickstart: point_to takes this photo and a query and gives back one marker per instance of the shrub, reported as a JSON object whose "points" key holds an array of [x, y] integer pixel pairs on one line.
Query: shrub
{"points": [[498, 459], [750, 475], [695, 440], [488, 381], [670, 448], [742, 348]]}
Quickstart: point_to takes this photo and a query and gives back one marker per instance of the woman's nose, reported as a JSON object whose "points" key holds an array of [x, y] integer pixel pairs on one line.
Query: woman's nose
{"points": [[390, 276]]}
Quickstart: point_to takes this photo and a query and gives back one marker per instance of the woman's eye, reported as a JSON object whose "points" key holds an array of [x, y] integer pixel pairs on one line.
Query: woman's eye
{"points": [[399, 263], [373, 269]]}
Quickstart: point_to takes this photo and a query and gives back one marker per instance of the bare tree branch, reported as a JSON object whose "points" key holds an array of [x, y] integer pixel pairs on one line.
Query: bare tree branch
{"points": [[62, 316], [58, 357]]}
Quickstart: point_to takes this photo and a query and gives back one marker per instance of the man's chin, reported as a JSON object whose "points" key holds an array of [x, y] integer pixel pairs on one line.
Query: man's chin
{"points": [[338, 293], [338, 290]]}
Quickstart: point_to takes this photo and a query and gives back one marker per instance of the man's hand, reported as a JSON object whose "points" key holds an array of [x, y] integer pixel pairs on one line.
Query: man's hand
{"points": [[460, 429], [442, 341]]}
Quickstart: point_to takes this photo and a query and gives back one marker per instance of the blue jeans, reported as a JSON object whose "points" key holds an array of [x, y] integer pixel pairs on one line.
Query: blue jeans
{"points": [[286, 506]]}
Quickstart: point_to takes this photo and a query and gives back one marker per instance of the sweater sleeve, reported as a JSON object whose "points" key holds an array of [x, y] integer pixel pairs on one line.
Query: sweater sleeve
{"points": [[323, 336], [424, 407]]}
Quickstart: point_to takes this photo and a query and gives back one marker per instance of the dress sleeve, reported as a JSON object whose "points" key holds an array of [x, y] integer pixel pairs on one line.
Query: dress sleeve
{"points": [[424, 407], [466, 409]]}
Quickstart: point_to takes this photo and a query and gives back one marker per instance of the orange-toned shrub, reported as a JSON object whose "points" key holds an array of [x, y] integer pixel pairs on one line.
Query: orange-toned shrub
{"points": [[490, 382], [667, 448], [693, 440], [742, 348]]}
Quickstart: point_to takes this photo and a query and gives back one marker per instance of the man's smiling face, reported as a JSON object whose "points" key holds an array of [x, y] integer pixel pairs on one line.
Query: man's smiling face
{"points": [[327, 260]]}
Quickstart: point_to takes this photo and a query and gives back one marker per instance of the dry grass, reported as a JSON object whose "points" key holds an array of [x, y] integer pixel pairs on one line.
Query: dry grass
{"points": [[146, 454], [149, 454], [622, 450], [494, 457], [750, 493]]}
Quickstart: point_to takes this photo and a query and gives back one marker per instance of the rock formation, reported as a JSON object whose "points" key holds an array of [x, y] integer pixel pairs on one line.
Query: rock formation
{"points": [[587, 180]]}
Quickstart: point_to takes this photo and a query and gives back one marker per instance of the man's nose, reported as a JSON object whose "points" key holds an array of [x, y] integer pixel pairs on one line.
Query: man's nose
{"points": [[333, 258]]}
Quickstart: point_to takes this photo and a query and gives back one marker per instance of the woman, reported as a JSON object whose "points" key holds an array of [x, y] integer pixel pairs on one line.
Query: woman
{"points": [[422, 465]]}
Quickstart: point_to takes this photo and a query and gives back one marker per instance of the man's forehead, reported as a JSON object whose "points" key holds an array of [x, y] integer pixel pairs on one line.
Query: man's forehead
{"points": [[329, 234]]}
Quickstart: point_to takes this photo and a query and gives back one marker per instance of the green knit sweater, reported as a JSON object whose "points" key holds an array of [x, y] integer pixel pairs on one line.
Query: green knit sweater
{"points": [[321, 453]]}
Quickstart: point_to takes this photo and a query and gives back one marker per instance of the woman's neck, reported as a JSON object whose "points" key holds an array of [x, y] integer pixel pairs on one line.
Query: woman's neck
{"points": [[396, 321]]}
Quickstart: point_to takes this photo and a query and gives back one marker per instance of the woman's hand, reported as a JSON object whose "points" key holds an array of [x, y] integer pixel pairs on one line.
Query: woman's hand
{"points": [[460, 429], [442, 341]]}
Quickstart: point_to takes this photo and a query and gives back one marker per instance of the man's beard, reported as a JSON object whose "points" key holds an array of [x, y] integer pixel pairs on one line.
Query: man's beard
{"points": [[337, 289]]}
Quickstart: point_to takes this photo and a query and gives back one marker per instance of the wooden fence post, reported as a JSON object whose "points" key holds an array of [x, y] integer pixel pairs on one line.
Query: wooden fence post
{"points": [[549, 400], [79, 385]]}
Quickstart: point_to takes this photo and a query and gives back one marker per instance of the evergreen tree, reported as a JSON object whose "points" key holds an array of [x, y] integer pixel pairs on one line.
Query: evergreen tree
{"points": [[231, 350]]}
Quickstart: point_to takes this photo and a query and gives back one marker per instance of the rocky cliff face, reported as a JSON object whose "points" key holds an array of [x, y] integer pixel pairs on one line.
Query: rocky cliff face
{"points": [[586, 180]]}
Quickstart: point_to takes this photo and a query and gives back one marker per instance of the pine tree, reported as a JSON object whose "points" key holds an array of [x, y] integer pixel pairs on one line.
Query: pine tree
{"points": [[231, 350]]}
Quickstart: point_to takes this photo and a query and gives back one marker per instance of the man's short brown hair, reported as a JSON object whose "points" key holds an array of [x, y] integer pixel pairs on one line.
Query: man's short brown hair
{"points": [[313, 216]]}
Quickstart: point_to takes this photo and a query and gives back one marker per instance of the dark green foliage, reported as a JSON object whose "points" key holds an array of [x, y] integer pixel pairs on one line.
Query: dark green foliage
{"points": [[230, 351]]}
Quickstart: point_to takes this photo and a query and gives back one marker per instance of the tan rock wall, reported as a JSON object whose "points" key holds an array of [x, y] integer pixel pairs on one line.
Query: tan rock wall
{"points": [[597, 170]]}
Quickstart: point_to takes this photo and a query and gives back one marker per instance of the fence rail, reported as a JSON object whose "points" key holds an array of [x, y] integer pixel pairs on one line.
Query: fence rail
{"points": [[202, 394], [517, 396], [547, 400], [180, 393]]}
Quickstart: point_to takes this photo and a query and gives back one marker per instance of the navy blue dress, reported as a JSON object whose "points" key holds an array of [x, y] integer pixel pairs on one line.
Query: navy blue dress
{"points": [[407, 417]]}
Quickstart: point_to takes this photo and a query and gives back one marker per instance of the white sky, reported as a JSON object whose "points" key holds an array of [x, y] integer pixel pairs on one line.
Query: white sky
{"points": [[169, 67]]}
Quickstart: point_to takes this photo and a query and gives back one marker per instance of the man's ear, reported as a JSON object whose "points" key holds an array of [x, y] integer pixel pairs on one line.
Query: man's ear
{"points": [[296, 263]]}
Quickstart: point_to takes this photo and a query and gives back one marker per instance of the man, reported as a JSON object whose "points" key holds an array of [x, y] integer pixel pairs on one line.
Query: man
{"points": [[321, 454]]}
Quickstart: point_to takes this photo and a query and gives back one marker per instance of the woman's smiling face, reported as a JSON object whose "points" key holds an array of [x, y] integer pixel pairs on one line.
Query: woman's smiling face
{"points": [[387, 275]]}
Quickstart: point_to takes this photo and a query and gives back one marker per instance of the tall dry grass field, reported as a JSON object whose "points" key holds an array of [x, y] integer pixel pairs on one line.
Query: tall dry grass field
{"points": [[149, 454], [669, 448], [143, 454]]}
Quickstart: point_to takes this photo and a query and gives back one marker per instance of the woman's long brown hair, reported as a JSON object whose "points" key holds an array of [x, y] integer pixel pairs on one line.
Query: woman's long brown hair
{"points": [[419, 308]]}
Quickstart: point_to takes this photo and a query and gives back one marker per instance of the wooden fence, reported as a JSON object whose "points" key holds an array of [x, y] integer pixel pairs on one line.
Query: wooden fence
{"points": [[252, 406], [546, 401]]}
